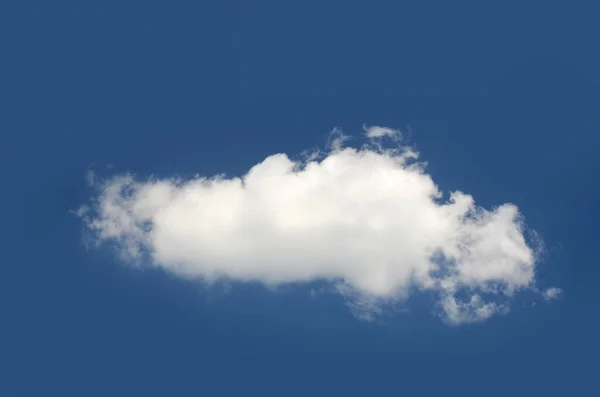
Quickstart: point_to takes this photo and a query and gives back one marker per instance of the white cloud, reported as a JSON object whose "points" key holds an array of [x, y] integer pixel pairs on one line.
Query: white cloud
{"points": [[380, 132], [552, 293], [370, 220]]}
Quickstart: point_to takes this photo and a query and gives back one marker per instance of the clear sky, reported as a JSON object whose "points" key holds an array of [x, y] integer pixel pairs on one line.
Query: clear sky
{"points": [[341, 274]]}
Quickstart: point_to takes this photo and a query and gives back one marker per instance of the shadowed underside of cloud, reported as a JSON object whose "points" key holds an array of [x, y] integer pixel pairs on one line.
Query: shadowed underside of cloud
{"points": [[369, 219]]}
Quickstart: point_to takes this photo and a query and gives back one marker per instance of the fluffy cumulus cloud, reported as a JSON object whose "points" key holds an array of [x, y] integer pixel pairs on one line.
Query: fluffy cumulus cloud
{"points": [[368, 219]]}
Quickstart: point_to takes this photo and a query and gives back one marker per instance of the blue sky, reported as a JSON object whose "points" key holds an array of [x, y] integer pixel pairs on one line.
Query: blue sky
{"points": [[501, 101]]}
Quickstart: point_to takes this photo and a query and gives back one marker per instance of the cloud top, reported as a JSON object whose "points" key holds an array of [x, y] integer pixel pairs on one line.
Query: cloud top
{"points": [[369, 219]]}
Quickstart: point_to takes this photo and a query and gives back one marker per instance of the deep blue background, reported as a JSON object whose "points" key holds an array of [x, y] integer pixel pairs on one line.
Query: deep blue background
{"points": [[502, 99]]}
